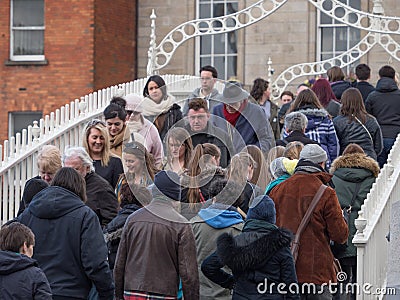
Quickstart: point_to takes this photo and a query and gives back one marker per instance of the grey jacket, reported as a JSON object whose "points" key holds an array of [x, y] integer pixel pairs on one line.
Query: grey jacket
{"points": [[212, 99]]}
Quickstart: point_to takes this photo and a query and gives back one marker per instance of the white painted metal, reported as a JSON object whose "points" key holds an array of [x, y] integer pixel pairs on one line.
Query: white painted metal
{"points": [[201, 27], [64, 128]]}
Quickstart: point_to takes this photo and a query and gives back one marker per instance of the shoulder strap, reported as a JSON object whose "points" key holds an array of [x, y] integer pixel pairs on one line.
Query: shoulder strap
{"points": [[365, 128], [306, 220]]}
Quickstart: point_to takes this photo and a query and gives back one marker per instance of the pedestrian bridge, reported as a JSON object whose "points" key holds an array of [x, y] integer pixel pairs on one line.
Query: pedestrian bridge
{"points": [[64, 127]]}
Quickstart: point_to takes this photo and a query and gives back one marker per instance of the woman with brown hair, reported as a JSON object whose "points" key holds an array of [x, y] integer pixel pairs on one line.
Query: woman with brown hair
{"points": [[259, 177], [203, 169], [355, 125], [241, 171], [320, 126], [158, 106], [179, 148], [96, 142], [338, 84], [139, 167]]}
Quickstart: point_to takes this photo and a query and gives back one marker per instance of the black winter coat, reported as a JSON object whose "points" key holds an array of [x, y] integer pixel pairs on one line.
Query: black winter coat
{"points": [[217, 137], [173, 115], [101, 198], [353, 132], [338, 87], [384, 105], [365, 88], [20, 278], [259, 256], [113, 231], [70, 246]]}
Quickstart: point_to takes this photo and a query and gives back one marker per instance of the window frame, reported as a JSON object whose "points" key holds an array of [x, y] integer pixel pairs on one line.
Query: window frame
{"points": [[213, 56], [17, 58], [335, 25]]}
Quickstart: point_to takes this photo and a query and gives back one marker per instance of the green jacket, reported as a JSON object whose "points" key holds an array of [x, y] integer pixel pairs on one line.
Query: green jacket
{"points": [[347, 171]]}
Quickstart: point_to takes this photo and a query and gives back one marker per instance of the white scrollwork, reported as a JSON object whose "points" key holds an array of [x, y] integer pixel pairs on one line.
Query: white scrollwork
{"points": [[358, 19], [209, 26]]}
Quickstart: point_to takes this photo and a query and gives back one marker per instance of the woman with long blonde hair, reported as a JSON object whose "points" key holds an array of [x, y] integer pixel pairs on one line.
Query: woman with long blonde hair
{"points": [[96, 142]]}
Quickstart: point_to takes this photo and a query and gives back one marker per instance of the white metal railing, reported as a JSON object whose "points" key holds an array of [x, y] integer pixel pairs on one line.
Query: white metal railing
{"points": [[373, 226], [63, 128]]}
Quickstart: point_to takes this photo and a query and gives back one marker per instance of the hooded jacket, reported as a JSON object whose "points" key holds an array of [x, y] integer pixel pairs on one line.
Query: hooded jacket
{"points": [[384, 105], [348, 171], [259, 256], [292, 199], [320, 128], [21, 278], [207, 226], [70, 246]]}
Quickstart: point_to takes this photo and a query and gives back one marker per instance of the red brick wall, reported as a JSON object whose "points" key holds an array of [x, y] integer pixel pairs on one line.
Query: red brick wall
{"points": [[69, 52], [115, 42]]}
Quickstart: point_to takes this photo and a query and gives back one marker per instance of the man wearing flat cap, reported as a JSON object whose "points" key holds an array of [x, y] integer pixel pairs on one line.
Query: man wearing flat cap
{"points": [[245, 122], [292, 199], [157, 248]]}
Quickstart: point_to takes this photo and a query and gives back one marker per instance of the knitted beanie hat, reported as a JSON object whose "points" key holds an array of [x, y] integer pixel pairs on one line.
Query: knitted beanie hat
{"points": [[314, 153], [166, 183], [262, 208]]}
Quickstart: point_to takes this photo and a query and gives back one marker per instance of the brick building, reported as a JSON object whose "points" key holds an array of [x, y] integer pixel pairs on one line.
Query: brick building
{"points": [[52, 52]]}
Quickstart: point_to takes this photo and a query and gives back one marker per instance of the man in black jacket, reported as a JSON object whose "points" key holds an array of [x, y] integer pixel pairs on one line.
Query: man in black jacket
{"points": [[384, 105], [100, 195], [203, 131], [363, 74]]}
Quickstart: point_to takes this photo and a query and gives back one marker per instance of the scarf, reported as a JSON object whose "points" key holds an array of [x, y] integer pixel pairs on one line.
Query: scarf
{"points": [[150, 108], [232, 118], [116, 141]]}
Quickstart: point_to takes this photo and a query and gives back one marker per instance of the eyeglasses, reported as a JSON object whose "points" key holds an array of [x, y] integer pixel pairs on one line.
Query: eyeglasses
{"points": [[95, 122], [132, 146]]}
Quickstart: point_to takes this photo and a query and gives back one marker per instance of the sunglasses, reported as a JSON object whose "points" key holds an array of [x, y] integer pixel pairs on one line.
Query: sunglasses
{"points": [[130, 112], [95, 122]]}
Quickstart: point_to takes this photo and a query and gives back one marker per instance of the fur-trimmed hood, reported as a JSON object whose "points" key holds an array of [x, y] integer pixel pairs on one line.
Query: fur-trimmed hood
{"points": [[251, 249], [356, 160]]}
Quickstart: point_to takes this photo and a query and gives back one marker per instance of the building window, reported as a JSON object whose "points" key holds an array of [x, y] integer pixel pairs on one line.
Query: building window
{"points": [[335, 37], [219, 50], [19, 120], [27, 30]]}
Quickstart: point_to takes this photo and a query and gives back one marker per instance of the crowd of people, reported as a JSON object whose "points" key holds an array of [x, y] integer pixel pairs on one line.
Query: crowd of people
{"points": [[208, 199]]}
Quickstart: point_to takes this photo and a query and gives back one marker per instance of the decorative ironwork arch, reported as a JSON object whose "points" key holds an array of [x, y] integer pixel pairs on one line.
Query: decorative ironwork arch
{"points": [[200, 27], [379, 28]]}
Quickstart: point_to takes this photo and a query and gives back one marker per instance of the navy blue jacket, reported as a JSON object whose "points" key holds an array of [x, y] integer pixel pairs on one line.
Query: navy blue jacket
{"points": [[70, 246], [20, 278], [251, 128]]}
